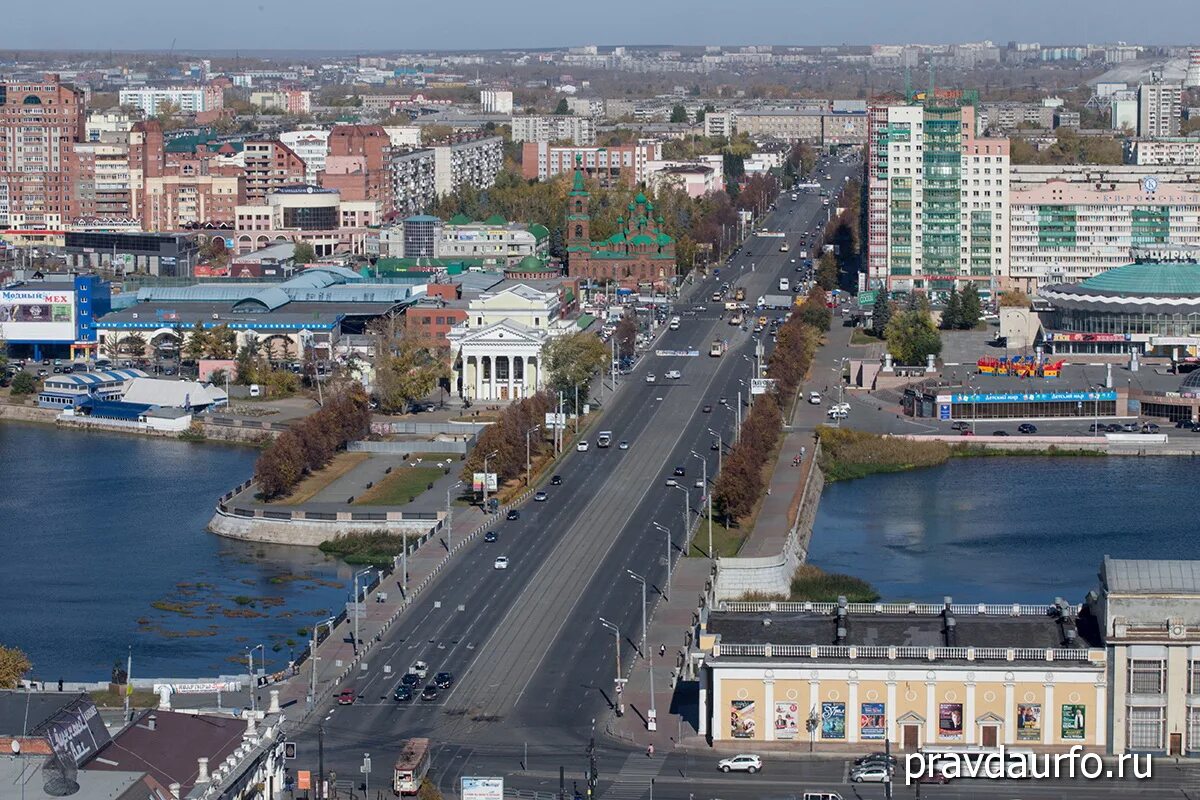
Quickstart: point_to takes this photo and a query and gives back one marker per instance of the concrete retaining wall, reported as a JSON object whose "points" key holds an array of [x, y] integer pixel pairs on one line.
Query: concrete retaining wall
{"points": [[772, 575], [405, 448], [308, 532], [28, 413]]}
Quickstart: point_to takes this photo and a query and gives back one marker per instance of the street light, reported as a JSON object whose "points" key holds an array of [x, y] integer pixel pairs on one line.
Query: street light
{"points": [[687, 510], [720, 448], [652, 715], [617, 679], [312, 655], [449, 527], [666, 531], [485, 477], [528, 433], [253, 681], [358, 575], [708, 493]]}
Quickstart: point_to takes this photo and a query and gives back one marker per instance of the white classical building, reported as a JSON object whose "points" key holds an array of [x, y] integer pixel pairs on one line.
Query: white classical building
{"points": [[497, 352]]}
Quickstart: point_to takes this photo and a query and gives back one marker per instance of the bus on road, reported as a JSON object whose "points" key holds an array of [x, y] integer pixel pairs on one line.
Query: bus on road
{"points": [[411, 767]]}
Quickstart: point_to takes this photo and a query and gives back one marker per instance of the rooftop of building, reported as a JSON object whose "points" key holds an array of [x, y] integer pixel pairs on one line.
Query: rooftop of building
{"points": [[34, 777], [1169, 279], [1145, 576], [22, 713], [294, 316]]}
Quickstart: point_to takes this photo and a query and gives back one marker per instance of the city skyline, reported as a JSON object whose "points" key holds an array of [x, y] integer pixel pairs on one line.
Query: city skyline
{"points": [[533, 24]]}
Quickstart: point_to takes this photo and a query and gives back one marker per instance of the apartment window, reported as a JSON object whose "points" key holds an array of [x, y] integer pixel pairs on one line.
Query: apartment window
{"points": [[1146, 677], [1146, 725], [1194, 679], [1193, 729]]}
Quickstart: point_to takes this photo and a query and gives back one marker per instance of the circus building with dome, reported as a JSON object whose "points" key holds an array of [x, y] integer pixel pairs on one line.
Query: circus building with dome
{"points": [[640, 255]]}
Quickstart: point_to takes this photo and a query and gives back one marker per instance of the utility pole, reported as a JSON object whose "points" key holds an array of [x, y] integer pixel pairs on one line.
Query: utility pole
{"points": [[577, 409], [250, 656], [642, 581], [128, 681], [620, 706], [529, 433], [666, 531], [708, 494], [738, 433], [321, 761], [593, 777], [485, 480]]}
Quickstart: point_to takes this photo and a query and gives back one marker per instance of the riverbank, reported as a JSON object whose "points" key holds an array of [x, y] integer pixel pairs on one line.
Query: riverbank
{"points": [[218, 430]]}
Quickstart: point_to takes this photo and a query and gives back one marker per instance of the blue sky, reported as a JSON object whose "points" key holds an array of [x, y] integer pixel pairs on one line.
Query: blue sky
{"points": [[409, 24]]}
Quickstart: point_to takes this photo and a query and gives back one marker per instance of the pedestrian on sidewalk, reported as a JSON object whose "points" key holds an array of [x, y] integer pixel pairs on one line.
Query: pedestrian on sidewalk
{"points": [[650, 751], [662, 650]]}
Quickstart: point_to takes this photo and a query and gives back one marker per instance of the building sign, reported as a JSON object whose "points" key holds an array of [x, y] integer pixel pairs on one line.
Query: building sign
{"points": [[1029, 722], [1087, 337], [38, 316], [943, 411], [761, 385], [1175, 253], [76, 733], [204, 687], [833, 720], [1029, 397], [478, 478], [677, 353], [872, 723], [787, 720], [950, 721], [741, 719], [482, 789], [1074, 721]]}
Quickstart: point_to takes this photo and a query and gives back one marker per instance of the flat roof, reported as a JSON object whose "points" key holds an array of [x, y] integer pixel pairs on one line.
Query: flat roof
{"points": [[1160, 576]]}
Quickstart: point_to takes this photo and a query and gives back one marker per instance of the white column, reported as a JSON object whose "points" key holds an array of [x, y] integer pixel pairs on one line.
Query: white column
{"points": [[1048, 711], [1010, 712], [969, 725], [891, 711], [1101, 721], [931, 712], [719, 715], [769, 709], [853, 719], [702, 714], [490, 372], [512, 376], [531, 382], [478, 378]]}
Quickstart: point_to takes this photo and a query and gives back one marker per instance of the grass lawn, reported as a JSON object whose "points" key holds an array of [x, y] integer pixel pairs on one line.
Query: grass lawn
{"points": [[863, 336], [336, 468], [400, 487], [726, 541], [141, 698]]}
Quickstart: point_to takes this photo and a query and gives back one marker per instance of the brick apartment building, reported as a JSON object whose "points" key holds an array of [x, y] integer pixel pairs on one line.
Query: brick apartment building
{"points": [[40, 120], [270, 165], [358, 165], [169, 191], [627, 163]]}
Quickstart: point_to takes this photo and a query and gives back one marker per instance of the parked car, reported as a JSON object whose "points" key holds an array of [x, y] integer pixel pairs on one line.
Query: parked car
{"points": [[346, 698], [870, 773], [1026, 427], [1150, 427], [1113, 428], [875, 758], [740, 763], [1130, 427]]}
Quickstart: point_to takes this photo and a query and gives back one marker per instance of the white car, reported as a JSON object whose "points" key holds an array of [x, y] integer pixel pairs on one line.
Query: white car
{"points": [[582, 446], [836, 413], [674, 374], [650, 378], [843, 407], [624, 445], [672, 481], [814, 398], [870, 773], [740, 763], [500, 563]]}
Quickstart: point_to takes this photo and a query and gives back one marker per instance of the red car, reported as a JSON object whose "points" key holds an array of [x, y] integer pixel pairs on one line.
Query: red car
{"points": [[346, 698]]}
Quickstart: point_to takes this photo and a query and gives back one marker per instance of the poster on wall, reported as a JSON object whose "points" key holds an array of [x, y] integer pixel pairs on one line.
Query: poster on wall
{"points": [[872, 723], [787, 720], [32, 315], [833, 720], [741, 719], [1074, 721], [950, 721], [1029, 722]]}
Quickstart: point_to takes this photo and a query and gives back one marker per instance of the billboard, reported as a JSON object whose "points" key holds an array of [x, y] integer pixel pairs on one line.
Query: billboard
{"points": [[872, 723], [1074, 725], [31, 315], [950, 721], [477, 481], [742, 724], [787, 720], [76, 732], [762, 385], [482, 789], [1029, 722], [833, 720]]}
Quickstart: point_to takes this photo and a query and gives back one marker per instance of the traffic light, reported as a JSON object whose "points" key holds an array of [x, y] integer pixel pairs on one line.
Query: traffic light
{"points": [[289, 750]]}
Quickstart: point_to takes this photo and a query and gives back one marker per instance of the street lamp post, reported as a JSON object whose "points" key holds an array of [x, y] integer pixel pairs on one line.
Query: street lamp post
{"points": [[449, 527], [667, 532], [529, 433], [687, 511], [312, 656], [485, 478], [616, 632], [642, 581], [720, 448], [708, 493], [357, 575], [253, 681], [652, 713]]}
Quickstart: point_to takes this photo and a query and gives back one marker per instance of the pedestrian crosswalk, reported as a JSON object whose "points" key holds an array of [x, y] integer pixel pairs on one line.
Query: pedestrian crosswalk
{"points": [[633, 781]]}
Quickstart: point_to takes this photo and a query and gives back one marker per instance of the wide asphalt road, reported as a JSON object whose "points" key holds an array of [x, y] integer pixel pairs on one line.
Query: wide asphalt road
{"points": [[531, 661]]}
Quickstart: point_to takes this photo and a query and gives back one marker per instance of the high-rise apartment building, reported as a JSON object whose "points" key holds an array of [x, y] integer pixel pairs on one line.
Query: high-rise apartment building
{"points": [[357, 165], [937, 199], [270, 165], [554, 128], [312, 146], [1160, 109], [473, 161], [495, 101], [183, 99], [40, 121]]}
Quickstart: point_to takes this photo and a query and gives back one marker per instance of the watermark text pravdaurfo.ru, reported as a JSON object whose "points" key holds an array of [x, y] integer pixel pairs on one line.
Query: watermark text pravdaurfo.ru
{"points": [[1018, 765]]}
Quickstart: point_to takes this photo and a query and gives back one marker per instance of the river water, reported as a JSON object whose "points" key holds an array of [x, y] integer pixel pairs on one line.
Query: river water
{"points": [[1000, 530], [103, 547]]}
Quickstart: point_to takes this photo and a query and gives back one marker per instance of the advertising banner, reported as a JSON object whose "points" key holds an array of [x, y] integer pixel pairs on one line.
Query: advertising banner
{"points": [[477, 481], [1074, 721], [30, 315], [76, 733], [1087, 337], [1029, 722], [950, 721], [787, 720], [741, 719], [1032, 397], [482, 789], [761, 385], [833, 720], [872, 723]]}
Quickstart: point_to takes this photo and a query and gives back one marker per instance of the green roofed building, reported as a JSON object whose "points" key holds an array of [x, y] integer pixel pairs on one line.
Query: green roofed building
{"points": [[640, 254]]}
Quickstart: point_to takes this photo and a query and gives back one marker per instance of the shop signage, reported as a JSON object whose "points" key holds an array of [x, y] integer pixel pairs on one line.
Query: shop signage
{"points": [[1087, 337], [1029, 397]]}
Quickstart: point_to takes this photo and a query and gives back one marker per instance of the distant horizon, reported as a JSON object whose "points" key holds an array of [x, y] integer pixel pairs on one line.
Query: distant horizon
{"points": [[477, 25]]}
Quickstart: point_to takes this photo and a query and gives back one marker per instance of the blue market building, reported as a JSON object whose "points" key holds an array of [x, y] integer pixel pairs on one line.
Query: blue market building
{"points": [[53, 315]]}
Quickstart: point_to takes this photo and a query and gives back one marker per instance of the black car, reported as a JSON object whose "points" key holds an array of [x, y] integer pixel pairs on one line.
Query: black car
{"points": [[403, 693], [679, 472], [410, 679], [1026, 427], [707, 409], [443, 680], [999, 433], [1114, 428], [430, 692], [556, 480], [490, 536], [959, 426], [513, 514]]}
